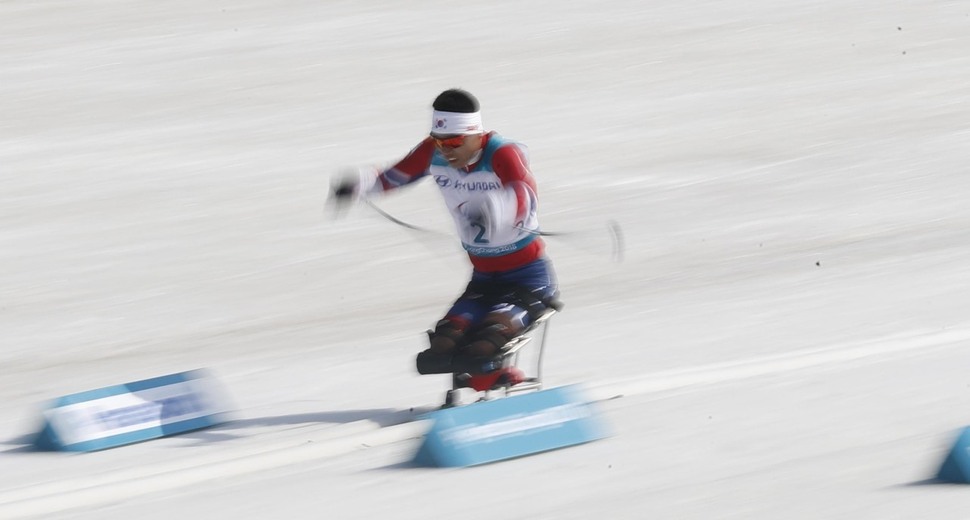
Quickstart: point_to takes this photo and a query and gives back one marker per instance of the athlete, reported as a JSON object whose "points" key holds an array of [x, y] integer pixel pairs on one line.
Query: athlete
{"points": [[491, 194]]}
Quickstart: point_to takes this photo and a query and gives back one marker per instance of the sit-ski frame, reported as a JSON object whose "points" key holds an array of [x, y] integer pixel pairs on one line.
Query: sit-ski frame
{"points": [[509, 355]]}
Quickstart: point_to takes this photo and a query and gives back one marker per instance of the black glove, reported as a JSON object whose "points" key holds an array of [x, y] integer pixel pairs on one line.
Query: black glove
{"points": [[345, 190]]}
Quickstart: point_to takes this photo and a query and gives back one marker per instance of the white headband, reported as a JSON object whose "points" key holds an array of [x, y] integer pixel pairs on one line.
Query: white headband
{"points": [[456, 123]]}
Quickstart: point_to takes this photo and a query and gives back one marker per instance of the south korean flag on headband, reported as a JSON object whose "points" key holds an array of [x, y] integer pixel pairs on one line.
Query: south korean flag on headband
{"points": [[456, 123]]}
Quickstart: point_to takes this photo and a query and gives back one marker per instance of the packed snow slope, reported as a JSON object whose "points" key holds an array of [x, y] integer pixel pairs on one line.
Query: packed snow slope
{"points": [[788, 327]]}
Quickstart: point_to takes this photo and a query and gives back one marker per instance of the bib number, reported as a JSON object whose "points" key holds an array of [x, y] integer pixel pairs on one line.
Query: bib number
{"points": [[480, 237]]}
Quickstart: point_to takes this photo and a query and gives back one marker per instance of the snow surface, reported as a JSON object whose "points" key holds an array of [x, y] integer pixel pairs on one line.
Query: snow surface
{"points": [[789, 328]]}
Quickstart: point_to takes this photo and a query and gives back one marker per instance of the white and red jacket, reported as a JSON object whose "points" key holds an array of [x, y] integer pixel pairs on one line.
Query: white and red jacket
{"points": [[492, 201]]}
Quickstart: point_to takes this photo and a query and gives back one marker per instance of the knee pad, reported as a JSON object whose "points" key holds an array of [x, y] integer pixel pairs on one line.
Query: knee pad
{"points": [[497, 330], [446, 335]]}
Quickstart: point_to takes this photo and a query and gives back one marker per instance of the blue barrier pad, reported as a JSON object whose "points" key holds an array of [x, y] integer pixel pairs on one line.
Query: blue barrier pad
{"points": [[509, 427], [956, 465], [133, 412]]}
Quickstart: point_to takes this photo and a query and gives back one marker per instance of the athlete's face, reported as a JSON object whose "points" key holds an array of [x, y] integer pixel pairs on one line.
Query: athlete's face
{"points": [[458, 149]]}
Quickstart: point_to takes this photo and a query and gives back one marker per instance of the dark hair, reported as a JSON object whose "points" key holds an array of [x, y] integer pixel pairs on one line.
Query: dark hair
{"points": [[456, 100]]}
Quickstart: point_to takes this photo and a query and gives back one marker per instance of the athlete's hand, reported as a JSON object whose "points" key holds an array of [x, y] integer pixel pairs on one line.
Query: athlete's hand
{"points": [[344, 190], [475, 212]]}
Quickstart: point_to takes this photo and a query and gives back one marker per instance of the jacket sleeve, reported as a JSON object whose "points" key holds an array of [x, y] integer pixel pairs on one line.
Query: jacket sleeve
{"points": [[407, 170], [512, 167]]}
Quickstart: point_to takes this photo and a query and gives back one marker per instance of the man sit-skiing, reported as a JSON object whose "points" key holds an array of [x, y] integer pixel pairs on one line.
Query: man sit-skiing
{"points": [[491, 194]]}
